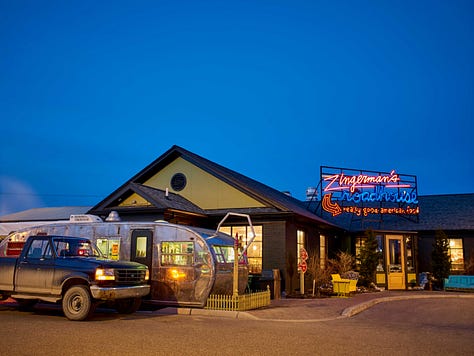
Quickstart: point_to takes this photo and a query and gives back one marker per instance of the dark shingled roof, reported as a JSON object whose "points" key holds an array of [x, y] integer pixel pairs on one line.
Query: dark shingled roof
{"points": [[276, 201], [445, 212], [281, 201], [160, 200]]}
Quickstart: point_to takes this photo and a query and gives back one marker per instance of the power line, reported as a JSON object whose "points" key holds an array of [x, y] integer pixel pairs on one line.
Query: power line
{"points": [[54, 195]]}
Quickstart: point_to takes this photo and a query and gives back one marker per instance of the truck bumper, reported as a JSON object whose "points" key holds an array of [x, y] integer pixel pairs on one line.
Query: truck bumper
{"points": [[119, 292]]}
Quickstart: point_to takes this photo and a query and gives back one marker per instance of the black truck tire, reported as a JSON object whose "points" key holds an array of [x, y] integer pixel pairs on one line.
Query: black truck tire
{"points": [[128, 306], [77, 303]]}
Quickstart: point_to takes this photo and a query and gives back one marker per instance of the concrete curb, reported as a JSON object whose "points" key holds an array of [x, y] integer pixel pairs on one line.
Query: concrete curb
{"points": [[206, 312], [359, 308]]}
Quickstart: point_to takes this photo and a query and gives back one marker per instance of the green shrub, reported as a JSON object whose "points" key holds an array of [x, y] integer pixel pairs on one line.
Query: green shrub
{"points": [[369, 259], [440, 258]]}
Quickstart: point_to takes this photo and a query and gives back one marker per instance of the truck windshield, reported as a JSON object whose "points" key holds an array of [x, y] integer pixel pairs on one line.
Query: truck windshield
{"points": [[75, 248]]}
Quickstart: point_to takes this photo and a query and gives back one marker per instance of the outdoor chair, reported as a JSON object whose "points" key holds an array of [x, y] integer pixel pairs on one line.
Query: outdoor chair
{"points": [[343, 287]]}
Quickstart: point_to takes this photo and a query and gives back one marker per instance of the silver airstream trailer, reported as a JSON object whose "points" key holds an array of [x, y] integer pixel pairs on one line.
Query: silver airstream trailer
{"points": [[187, 264]]}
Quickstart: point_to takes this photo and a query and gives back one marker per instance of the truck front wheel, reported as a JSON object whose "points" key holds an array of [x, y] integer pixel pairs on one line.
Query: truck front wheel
{"points": [[77, 303]]}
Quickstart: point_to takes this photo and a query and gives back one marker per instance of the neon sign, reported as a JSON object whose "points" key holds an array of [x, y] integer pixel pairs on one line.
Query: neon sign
{"points": [[363, 181], [363, 193]]}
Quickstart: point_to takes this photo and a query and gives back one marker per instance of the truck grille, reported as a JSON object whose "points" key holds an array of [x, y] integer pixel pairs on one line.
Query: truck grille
{"points": [[130, 276]]}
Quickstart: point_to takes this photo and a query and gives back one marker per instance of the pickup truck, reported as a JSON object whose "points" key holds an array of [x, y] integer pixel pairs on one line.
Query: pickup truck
{"points": [[70, 271]]}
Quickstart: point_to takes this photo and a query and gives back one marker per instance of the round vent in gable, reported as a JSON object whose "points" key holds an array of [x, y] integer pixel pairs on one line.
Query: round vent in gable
{"points": [[178, 182]]}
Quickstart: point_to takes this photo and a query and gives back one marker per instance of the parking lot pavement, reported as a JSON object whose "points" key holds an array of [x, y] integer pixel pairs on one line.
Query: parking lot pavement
{"points": [[305, 309], [317, 309]]}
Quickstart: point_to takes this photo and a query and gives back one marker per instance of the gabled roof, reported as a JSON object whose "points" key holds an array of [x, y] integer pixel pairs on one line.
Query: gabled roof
{"points": [[280, 202], [164, 200], [160, 199]]}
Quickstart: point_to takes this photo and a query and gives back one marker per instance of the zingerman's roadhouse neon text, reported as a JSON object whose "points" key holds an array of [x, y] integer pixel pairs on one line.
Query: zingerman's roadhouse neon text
{"points": [[380, 195], [343, 182]]}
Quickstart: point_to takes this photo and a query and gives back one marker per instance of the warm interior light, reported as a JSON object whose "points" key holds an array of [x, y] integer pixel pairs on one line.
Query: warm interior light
{"points": [[176, 274]]}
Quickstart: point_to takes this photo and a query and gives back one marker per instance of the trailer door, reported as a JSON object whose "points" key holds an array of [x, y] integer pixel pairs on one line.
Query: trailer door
{"points": [[142, 247]]}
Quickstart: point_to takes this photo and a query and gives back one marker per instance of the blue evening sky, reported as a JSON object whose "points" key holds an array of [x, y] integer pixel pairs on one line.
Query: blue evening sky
{"points": [[93, 91]]}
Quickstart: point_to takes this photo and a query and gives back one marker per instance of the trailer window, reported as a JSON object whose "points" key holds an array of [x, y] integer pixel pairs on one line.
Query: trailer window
{"points": [[224, 254], [177, 253], [141, 244], [110, 248], [14, 248]]}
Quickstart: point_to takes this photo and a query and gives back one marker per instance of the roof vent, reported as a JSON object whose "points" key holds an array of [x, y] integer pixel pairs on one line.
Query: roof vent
{"points": [[311, 194], [113, 217], [81, 218]]}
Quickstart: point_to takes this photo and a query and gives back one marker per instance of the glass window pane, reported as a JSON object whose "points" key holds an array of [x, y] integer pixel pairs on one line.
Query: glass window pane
{"points": [[240, 231], [110, 248], [410, 254], [457, 254], [255, 249], [300, 243], [455, 243], [395, 255], [226, 230], [177, 253], [322, 251], [141, 246], [224, 254], [37, 249]]}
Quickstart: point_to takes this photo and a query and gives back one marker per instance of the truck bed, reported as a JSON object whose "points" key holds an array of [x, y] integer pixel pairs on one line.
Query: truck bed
{"points": [[7, 272]]}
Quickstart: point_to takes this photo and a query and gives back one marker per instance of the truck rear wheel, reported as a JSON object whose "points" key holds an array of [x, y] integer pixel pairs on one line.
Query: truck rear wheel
{"points": [[77, 303], [127, 306]]}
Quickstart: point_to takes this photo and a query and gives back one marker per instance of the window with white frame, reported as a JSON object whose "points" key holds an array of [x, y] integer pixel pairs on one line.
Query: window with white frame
{"points": [[254, 251]]}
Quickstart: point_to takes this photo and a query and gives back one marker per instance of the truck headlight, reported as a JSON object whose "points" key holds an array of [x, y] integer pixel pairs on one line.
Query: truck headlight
{"points": [[104, 274], [147, 275]]}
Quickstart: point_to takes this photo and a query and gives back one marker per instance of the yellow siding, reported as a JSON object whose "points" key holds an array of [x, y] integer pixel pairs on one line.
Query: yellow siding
{"points": [[135, 200], [202, 188]]}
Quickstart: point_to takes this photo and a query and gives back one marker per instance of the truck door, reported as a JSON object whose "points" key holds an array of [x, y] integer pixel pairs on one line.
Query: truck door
{"points": [[35, 270], [141, 247]]}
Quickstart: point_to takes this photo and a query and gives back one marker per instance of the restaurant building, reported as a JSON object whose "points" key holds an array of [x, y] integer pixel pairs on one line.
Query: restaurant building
{"points": [[405, 225], [184, 188]]}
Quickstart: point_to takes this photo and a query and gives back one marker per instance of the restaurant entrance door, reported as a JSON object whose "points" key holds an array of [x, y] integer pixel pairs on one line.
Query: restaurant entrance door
{"points": [[395, 258]]}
